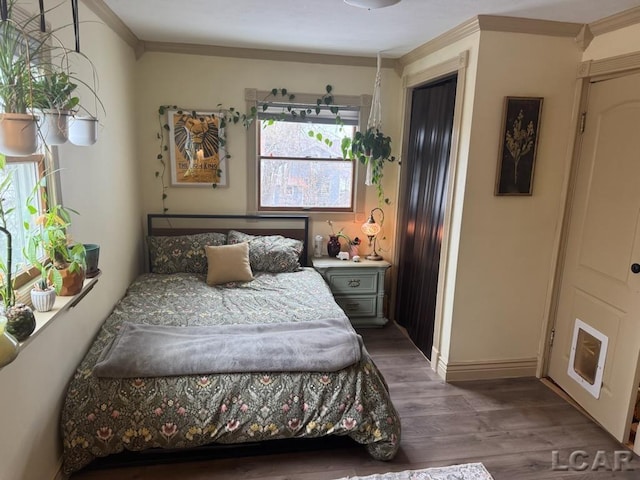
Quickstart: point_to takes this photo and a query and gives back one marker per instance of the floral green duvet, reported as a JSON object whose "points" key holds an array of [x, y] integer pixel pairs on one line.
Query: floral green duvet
{"points": [[102, 416]]}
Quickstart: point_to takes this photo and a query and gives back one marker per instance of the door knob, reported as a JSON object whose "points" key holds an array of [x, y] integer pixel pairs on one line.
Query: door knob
{"points": [[635, 267]]}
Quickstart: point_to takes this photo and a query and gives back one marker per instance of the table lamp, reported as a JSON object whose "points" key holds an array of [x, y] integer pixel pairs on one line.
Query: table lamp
{"points": [[371, 229]]}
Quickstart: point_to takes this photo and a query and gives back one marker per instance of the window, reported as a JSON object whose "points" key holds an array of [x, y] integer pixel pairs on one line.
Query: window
{"points": [[18, 179], [297, 171], [291, 169]]}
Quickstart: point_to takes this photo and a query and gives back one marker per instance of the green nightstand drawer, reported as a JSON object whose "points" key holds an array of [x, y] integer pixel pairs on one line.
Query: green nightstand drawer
{"points": [[353, 283], [358, 306]]}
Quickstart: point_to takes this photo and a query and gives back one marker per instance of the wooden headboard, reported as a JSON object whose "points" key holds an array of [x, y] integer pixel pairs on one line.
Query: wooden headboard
{"points": [[291, 226]]}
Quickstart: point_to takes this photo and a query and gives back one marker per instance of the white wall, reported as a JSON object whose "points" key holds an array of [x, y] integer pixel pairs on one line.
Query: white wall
{"points": [[101, 182], [501, 253], [507, 243], [203, 82], [611, 44]]}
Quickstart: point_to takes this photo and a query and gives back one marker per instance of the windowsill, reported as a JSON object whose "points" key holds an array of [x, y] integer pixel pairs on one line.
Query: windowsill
{"points": [[62, 304]]}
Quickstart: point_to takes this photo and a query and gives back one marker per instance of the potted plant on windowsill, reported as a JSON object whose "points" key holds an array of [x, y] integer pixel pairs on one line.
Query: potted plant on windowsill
{"points": [[20, 320], [43, 293], [67, 269]]}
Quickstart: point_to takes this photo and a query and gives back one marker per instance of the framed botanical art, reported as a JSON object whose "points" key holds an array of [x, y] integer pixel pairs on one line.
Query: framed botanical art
{"points": [[518, 144], [196, 149]]}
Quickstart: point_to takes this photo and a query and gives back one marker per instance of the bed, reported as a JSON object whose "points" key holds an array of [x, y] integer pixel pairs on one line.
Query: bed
{"points": [[107, 415]]}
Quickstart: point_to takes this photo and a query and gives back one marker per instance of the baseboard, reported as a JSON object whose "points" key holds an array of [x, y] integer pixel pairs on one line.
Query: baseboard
{"points": [[486, 370]]}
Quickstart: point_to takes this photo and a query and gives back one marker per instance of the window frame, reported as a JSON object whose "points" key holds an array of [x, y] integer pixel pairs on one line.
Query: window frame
{"points": [[253, 100], [48, 194]]}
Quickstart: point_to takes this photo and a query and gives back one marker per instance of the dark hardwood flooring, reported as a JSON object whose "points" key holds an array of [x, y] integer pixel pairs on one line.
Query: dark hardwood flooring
{"points": [[512, 426]]}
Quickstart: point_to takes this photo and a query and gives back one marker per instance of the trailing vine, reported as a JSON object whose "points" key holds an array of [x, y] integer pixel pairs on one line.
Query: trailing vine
{"points": [[370, 146]]}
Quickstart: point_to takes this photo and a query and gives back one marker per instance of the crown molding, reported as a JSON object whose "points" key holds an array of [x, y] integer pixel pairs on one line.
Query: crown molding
{"points": [[113, 21], [614, 22], [263, 54], [463, 30], [495, 23], [489, 23]]}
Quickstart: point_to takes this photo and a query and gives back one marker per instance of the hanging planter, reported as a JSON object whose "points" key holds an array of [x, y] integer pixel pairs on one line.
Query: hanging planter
{"points": [[83, 131], [18, 134], [54, 126]]}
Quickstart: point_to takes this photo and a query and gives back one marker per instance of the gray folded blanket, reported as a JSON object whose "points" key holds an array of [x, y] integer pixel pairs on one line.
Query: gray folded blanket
{"points": [[157, 350]]}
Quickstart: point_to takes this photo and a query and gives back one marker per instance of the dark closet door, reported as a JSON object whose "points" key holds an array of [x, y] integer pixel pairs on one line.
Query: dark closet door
{"points": [[423, 203]]}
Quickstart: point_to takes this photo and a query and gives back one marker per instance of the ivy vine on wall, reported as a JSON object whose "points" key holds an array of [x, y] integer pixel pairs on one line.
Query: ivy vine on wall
{"points": [[369, 146]]}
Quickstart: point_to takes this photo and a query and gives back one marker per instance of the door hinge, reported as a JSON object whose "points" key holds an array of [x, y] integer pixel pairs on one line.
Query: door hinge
{"points": [[552, 336], [583, 121]]}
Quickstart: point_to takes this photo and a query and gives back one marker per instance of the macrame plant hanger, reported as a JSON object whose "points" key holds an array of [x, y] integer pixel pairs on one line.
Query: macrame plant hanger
{"points": [[375, 118]]}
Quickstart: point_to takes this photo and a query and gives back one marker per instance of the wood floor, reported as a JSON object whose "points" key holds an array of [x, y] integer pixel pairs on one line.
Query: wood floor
{"points": [[511, 426]]}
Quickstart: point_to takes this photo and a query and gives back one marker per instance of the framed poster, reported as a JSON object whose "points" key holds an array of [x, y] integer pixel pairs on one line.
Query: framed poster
{"points": [[518, 145], [197, 153]]}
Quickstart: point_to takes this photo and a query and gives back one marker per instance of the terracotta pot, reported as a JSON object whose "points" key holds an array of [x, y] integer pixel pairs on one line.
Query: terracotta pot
{"points": [[18, 134], [71, 282]]}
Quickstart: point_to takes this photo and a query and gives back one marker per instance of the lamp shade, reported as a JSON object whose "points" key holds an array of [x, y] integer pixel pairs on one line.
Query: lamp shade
{"points": [[370, 228]]}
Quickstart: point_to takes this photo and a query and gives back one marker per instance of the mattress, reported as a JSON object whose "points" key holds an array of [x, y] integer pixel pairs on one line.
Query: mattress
{"points": [[103, 416]]}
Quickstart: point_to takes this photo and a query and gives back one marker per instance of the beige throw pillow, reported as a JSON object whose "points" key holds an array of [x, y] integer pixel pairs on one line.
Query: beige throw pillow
{"points": [[228, 263]]}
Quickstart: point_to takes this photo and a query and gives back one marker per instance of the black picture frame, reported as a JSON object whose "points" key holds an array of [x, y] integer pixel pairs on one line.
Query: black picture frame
{"points": [[518, 145]]}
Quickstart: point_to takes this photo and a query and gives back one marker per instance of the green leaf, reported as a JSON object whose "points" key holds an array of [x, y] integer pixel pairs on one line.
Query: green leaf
{"points": [[329, 88], [284, 92], [32, 210], [165, 126], [159, 157], [264, 107], [164, 196], [319, 136], [157, 174], [311, 133], [292, 97], [165, 210], [161, 110], [274, 91], [318, 110], [214, 185]]}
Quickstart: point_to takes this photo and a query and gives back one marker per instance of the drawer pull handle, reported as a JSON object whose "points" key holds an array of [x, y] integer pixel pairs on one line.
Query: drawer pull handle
{"points": [[354, 282]]}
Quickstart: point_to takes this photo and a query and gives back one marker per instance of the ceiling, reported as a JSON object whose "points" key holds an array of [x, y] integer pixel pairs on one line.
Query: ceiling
{"points": [[331, 26]]}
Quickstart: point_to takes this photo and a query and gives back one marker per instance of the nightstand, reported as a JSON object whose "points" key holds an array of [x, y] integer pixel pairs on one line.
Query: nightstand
{"points": [[358, 288]]}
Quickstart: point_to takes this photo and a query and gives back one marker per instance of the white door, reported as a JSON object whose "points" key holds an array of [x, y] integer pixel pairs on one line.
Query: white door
{"points": [[599, 300]]}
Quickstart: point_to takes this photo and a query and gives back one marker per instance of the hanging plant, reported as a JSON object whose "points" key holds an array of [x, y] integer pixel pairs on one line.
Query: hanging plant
{"points": [[370, 147]]}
